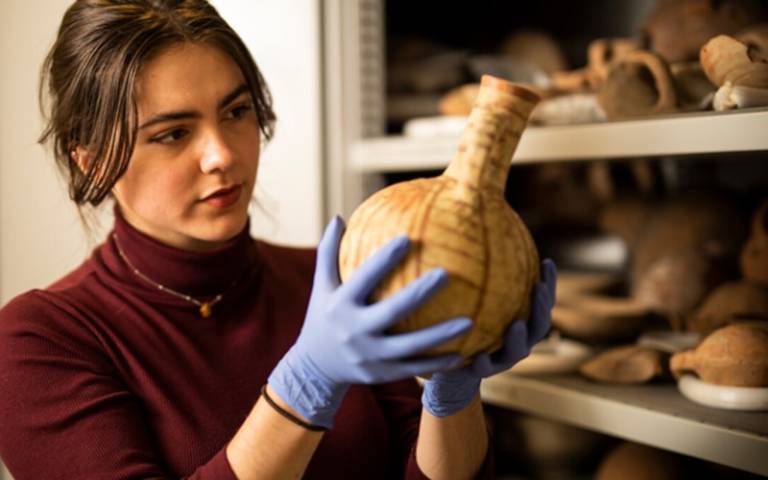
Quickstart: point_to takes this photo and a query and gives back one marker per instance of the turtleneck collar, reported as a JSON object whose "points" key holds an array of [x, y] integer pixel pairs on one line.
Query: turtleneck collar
{"points": [[198, 274]]}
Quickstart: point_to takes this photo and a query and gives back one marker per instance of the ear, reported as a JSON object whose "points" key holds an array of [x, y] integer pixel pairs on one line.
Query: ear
{"points": [[81, 157]]}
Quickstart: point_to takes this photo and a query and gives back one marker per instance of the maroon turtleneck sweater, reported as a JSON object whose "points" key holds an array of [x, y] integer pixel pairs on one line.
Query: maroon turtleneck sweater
{"points": [[104, 376]]}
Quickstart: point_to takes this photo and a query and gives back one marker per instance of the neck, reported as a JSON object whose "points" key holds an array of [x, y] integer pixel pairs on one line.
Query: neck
{"points": [[192, 272], [169, 237]]}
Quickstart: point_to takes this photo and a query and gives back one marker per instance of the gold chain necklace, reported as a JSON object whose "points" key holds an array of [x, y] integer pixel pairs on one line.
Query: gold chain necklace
{"points": [[206, 308]]}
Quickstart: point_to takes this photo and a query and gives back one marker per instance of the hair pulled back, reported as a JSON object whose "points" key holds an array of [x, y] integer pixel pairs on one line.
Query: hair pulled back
{"points": [[90, 73]]}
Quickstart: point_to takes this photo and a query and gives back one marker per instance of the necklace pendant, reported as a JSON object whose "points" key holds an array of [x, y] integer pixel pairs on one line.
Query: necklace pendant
{"points": [[205, 309]]}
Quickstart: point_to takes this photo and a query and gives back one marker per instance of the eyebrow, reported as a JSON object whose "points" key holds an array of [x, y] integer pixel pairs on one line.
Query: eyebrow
{"points": [[182, 114]]}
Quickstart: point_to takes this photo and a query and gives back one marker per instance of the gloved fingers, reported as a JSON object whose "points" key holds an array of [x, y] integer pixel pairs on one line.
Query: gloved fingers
{"points": [[327, 263], [512, 351], [543, 299], [413, 368], [368, 275], [393, 347], [541, 314], [402, 303], [549, 278], [515, 348], [482, 365]]}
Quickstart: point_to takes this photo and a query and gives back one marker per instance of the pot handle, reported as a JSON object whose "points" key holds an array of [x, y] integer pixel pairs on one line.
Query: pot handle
{"points": [[662, 78], [682, 362]]}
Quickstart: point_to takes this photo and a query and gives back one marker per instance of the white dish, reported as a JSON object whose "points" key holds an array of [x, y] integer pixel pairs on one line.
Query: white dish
{"points": [[433, 127], [719, 396], [669, 341], [553, 355]]}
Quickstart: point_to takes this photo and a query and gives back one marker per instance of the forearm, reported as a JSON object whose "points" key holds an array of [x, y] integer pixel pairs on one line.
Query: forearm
{"points": [[453, 446], [268, 445]]}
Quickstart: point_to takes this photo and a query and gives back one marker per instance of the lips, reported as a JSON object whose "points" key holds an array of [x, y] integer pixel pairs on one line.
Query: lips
{"points": [[224, 197]]}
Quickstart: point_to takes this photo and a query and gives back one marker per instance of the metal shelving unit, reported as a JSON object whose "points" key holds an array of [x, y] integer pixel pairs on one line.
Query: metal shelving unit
{"points": [[655, 414], [357, 156], [682, 134]]}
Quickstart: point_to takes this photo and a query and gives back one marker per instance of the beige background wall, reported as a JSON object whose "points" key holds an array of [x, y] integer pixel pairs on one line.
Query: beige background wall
{"points": [[40, 235], [39, 232], [29, 190]]}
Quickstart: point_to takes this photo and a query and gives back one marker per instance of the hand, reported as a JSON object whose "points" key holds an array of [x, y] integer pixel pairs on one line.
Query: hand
{"points": [[342, 341], [448, 392]]}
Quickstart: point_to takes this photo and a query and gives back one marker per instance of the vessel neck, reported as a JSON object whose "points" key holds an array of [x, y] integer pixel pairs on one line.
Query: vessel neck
{"points": [[494, 127]]}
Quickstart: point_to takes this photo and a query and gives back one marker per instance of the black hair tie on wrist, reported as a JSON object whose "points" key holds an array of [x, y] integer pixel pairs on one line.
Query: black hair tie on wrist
{"points": [[288, 415]]}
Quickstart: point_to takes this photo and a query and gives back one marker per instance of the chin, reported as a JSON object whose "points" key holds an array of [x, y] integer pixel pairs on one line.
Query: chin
{"points": [[221, 229]]}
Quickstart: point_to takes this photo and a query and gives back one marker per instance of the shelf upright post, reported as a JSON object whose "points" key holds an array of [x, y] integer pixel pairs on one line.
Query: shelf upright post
{"points": [[354, 96]]}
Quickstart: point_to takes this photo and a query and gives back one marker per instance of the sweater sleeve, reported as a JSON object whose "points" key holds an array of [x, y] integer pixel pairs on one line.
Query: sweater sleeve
{"points": [[401, 402], [64, 412]]}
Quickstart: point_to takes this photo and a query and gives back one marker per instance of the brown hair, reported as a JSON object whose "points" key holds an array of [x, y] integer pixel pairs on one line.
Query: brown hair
{"points": [[90, 72]]}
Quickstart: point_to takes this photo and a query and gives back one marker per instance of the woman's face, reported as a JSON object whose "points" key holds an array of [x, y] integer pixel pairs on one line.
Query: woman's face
{"points": [[192, 172]]}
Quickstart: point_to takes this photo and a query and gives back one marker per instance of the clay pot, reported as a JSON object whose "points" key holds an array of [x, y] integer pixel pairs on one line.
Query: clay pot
{"points": [[560, 196], [682, 251], [675, 284], [600, 318], [755, 37], [730, 302], [735, 355], [677, 29], [626, 365], [626, 217], [535, 47], [458, 101], [459, 221], [577, 284], [640, 83], [631, 461], [604, 53], [574, 81], [726, 59], [754, 255], [703, 223]]}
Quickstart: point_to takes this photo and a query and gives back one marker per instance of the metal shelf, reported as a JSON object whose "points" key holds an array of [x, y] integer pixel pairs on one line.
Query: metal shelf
{"points": [[655, 414], [681, 134]]}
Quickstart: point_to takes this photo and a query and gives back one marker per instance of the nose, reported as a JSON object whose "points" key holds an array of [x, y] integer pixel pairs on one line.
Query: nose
{"points": [[217, 155]]}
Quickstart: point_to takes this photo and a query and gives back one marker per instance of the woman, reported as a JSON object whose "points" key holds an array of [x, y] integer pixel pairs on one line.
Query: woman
{"points": [[184, 348]]}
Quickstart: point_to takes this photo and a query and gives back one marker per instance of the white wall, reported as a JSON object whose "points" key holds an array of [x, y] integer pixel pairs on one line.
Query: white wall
{"points": [[40, 234], [284, 38]]}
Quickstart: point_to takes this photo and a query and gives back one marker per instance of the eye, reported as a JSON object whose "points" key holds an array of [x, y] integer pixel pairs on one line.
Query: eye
{"points": [[170, 136], [239, 111]]}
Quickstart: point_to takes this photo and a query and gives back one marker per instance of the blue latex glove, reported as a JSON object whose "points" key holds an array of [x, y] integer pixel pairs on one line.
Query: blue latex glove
{"points": [[342, 341], [448, 392]]}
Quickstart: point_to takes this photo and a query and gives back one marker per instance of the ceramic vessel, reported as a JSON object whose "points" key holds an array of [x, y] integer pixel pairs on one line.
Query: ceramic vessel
{"points": [[677, 29], [728, 302], [735, 355], [631, 364], [459, 221], [728, 60], [754, 255], [640, 83]]}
